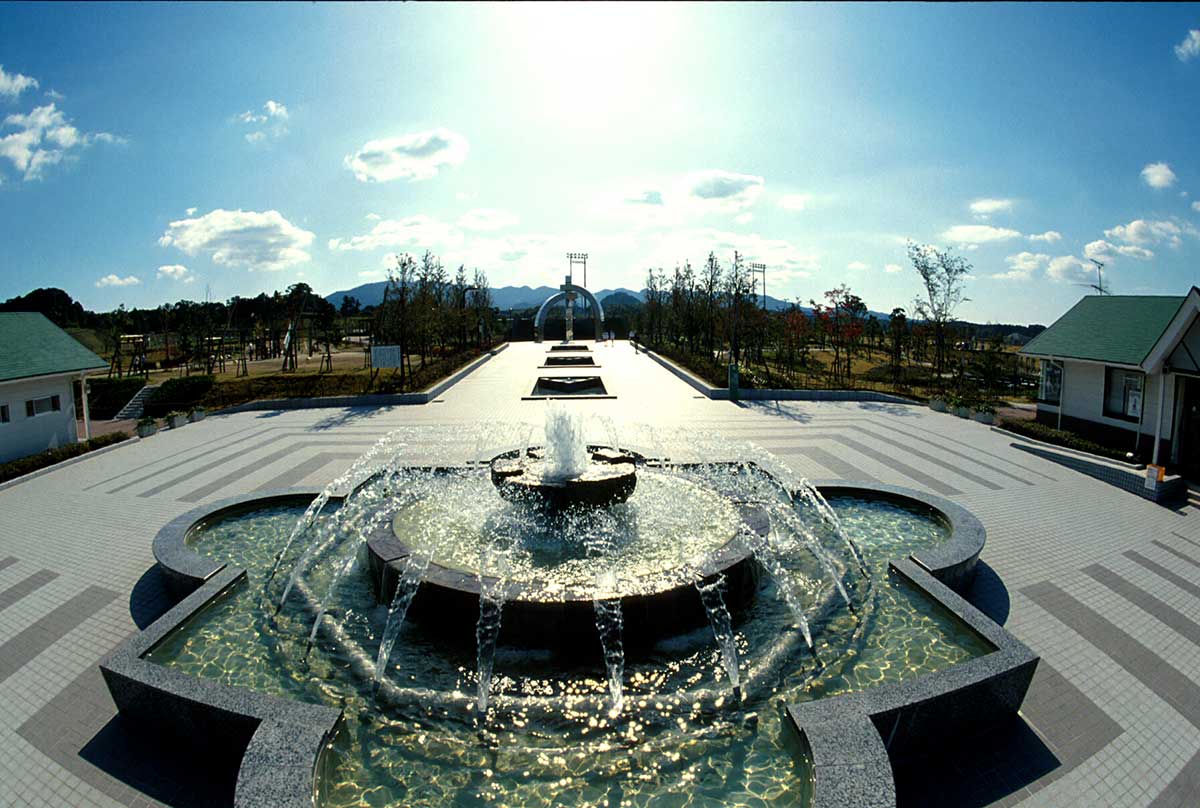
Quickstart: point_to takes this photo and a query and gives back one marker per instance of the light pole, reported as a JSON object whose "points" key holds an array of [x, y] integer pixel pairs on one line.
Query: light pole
{"points": [[581, 259], [761, 268]]}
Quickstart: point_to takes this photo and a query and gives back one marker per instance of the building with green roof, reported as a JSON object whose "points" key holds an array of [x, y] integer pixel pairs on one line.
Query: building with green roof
{"points": [[39, 364], [1124, 370]]}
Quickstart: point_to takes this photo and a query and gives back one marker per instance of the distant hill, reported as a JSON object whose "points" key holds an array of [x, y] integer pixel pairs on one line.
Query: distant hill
{"points": [[526, 297]]}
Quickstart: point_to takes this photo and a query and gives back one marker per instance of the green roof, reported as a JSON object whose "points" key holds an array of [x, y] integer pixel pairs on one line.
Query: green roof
{"points": [[31, 345], [1121, 329]]}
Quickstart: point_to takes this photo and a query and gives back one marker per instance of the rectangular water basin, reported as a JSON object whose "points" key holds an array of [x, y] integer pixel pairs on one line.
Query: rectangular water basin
{"points": [[569, 360], [571, 347], [569, 387]]}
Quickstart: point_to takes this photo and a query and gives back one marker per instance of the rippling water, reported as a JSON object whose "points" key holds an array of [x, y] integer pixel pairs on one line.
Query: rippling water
{"points": [[682, 739]]}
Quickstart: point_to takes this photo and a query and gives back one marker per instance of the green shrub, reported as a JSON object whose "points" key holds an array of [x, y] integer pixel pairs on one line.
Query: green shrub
{"points": [[1061, 437], [106, 397], [182, 393], [27, 465]]}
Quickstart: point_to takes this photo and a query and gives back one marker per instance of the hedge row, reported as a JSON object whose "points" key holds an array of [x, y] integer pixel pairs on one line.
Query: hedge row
{"points": [[26, 465], [182, 393], [1061, 437]]}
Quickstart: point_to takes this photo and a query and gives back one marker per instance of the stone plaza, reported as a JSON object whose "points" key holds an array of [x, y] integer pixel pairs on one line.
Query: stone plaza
{"points": [[1102, 585]]}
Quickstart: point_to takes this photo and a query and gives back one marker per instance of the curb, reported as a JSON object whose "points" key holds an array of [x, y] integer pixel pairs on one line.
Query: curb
{"points": [[70, 461], [762, 394], [366, 400]]}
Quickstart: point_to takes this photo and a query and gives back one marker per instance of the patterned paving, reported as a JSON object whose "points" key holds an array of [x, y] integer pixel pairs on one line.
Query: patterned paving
{"points": [[1103, 585]]}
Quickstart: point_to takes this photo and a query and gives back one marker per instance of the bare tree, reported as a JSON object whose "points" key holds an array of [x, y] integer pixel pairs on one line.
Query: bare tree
{"points": [[942, 274]]}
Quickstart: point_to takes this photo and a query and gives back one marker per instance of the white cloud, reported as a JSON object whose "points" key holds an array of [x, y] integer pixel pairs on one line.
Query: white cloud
{"points": [[55, 95], [1106, 253], [274, 113], [176, 272], [1022, 266], [418, 232], [13, 84], [717, 189], [241, 238], [795, 202], [1143, 232], [1069, 268], [1196, 206], [412, 157], [114, 280], [785, 261], [1050, 236], [1189, 48], [1158, 175], [650, 197], [983, 208], [857, 266], [487, 219], [191, 211], [979, 234], [45, 137], [892, 269], [744, 218]]}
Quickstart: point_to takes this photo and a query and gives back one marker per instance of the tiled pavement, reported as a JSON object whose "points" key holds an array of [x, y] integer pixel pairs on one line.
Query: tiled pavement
{"points": [[1102, 584]]}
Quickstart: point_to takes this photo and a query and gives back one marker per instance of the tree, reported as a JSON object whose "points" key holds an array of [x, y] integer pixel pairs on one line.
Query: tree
{"points": [[350, 306], [942, 275]]}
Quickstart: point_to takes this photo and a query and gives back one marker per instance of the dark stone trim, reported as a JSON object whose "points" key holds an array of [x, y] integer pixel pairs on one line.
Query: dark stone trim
{"points": [[953, 562], [184, 568], [853, 768], [283, 739]]}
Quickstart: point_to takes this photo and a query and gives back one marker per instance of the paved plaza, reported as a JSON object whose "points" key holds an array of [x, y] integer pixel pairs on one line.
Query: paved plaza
{"points": [[1103, 585]]}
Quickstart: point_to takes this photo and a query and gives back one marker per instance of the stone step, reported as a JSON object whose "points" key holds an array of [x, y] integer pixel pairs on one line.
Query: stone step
{"points": [[136, 405]]}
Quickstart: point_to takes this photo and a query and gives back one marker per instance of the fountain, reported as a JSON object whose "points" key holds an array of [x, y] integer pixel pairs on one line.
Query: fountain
{"points": [[575, 606]]}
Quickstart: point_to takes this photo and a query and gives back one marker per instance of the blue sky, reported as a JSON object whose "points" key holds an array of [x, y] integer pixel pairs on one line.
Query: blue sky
{"points": [[152, 152]]}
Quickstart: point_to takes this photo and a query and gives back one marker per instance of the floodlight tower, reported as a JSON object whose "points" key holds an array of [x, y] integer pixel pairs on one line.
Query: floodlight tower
{"points": [[756, 269], [568, 287]]}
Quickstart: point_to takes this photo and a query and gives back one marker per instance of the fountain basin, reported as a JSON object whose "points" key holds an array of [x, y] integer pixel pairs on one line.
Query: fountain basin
{"points": [[566, 620], [942, 685], [611, 477]]}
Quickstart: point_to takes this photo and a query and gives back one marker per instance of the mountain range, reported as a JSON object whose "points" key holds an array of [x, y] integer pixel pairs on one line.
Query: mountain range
{"points": [[525, 297]]}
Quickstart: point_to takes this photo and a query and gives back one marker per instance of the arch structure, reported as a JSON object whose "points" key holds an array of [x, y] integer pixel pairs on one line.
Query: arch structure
{"points": [[561, 294]]}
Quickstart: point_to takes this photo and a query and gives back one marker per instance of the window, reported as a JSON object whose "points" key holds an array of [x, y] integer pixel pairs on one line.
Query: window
{"points": [[40, 406], [1123, 393], [1051, 389], [4, 416]]}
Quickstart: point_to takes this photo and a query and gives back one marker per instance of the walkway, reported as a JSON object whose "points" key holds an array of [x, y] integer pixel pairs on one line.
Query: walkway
{"points": [[1103, 585]]}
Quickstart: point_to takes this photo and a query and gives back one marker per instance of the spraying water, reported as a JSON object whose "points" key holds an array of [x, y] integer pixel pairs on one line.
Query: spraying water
{"points": [[492, 585], [722, 626], [406, 589], [566, 445]]}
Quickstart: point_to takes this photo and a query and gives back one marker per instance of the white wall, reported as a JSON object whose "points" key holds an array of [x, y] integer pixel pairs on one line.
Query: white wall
{"points": [[23, 435], [1083, 397]]}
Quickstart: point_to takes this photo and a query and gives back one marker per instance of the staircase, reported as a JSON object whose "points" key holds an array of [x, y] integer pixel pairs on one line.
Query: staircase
{"points": [[136, 405], [1193, 494]]}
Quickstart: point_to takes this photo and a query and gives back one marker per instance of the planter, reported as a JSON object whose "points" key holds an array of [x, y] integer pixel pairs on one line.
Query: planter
{"points": [[177, 421], [985, 417], [963, 412], [196, 415], [146, 430], [937, 404]]}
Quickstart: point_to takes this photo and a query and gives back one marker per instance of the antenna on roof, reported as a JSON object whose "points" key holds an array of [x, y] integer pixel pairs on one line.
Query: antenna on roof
{"points": [[1098, 286]]}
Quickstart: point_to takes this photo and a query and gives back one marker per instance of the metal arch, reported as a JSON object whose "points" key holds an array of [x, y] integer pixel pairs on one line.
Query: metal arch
{"points": [[597, 309]]}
